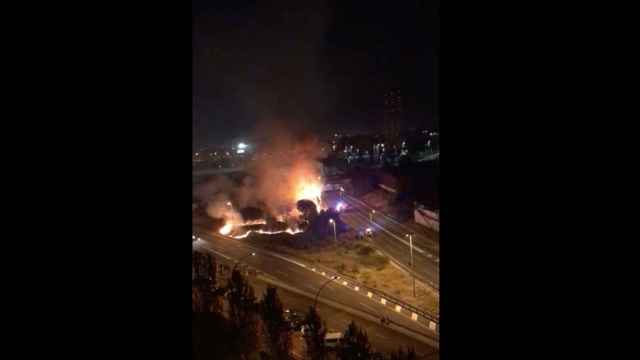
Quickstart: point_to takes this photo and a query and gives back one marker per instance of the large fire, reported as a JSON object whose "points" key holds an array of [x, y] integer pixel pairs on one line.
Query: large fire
{"points": [[226, 229], [306, 188], [309, 190]]}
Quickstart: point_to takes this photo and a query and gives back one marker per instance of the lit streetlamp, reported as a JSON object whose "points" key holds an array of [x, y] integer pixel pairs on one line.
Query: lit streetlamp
{"points": [[371, 215], [335, 277], [412, 267], [335, 237]]}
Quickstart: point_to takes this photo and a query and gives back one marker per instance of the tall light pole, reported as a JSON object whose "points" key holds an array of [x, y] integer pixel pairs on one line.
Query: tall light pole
{"points": [[371, 215], [335, 237], [315, 302], [412, 267]]}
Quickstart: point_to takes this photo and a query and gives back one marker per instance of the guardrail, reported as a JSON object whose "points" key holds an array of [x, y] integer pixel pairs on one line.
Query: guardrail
{"points": [[429, 320], [357, 286]]}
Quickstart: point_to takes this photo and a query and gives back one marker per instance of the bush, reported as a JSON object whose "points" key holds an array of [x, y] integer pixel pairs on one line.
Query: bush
{"points": [[355, 269], [365, 250], [376, 261]]}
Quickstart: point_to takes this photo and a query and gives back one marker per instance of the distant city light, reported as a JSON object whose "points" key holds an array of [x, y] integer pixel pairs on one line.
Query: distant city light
{"points": [[242, 146], [240, 151]]}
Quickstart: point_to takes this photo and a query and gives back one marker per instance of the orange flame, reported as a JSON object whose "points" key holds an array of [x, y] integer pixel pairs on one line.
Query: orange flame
{"points": [[309, 190], [226, 229], [290, 231]]}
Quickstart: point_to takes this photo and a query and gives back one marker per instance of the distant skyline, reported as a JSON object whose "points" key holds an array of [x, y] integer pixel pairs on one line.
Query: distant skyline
{"points": [[314, 66]]}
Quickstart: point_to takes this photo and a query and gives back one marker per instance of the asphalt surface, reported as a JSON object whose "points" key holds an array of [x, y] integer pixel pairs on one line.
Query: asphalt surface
{"points": [[389, 236], [382, 338], [290, 272]]}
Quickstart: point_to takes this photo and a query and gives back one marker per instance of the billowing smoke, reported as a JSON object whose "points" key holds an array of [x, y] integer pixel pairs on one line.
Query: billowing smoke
{"points": [[221, 208], [286, 169]]}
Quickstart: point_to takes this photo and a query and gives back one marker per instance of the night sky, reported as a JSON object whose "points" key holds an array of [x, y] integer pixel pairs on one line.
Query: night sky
{"points": [[315, 66]]}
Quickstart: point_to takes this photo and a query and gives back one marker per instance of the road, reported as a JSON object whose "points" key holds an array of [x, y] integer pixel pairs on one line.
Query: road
{"points": [[382, 338], [389, 236], [291, 273]]}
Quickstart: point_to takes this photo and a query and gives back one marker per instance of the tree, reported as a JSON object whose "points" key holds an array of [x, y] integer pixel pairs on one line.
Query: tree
{"points": [[355, 344], [213, 337], [243, 311], [314, 336], [206, 296], [308, 209], [277, 329], [401, 355]]}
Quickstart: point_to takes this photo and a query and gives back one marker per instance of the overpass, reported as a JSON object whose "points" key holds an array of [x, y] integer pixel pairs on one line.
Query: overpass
{"points": [[215, 171]]}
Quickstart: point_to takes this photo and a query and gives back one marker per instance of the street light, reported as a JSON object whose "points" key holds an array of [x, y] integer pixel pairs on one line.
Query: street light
{"points": [[315, 302], [412, 267], [371, 215], [242, 258], [335, 238]]}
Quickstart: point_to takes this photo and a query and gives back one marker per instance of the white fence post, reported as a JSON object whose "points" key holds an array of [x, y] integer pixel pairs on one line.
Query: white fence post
{"points": [[432, 326]]}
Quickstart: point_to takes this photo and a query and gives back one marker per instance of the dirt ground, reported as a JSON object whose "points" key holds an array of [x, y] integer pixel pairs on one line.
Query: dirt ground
{"points": [[357, 259]]}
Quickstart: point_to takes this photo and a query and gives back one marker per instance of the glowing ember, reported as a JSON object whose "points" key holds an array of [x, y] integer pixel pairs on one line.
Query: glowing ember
{"points": [[226, 229], [254, 222], [290, 231]]}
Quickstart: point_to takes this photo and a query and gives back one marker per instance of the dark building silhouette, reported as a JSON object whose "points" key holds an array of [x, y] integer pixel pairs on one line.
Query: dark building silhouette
{"points": [[393, 116]]}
